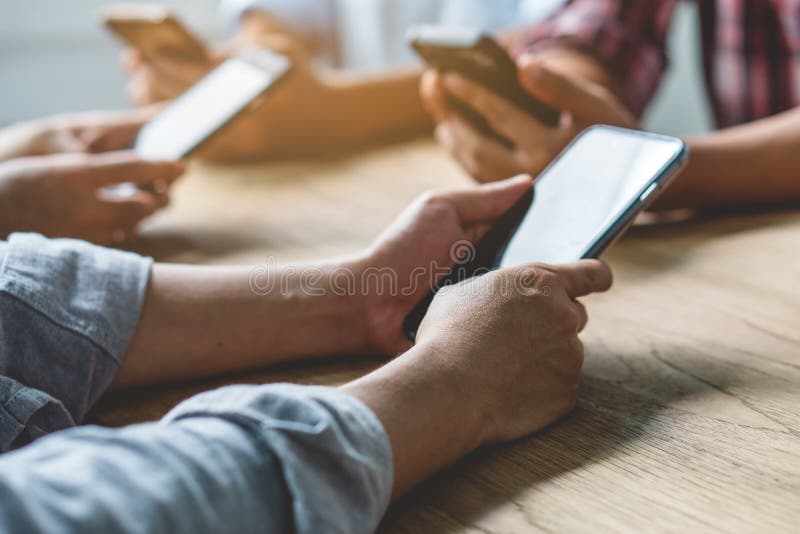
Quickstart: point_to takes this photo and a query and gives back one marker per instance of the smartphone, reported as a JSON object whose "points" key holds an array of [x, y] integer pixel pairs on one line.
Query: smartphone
{"points": [[578, 207], [478, 57], [214, 102], [152, 30]]}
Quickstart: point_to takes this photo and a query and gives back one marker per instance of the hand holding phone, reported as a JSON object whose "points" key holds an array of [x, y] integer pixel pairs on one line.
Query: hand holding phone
{"points": [[579, 205], [480, 58], [153, 30], [208, 107]]}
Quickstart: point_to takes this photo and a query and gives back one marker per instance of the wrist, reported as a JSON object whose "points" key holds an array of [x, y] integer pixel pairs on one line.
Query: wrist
{"points": [[425, 411], [356, 299], [348, 281]]}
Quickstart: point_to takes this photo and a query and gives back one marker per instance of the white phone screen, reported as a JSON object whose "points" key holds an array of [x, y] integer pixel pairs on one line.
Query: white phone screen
{"points": [[209, 105], [596, 181]]}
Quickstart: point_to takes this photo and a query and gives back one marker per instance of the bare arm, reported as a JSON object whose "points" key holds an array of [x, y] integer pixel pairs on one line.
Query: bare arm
{"points": [[202, 321], [754, 164], [490, 365]]}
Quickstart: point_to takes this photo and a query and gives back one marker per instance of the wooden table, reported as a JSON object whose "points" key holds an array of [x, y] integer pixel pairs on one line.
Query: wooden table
{"points": [[690, 412]]}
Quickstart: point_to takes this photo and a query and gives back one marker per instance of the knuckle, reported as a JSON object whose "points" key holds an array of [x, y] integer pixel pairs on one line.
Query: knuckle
{"points": [[545, 280], [470, 164], [577, 354], [571, 401], [430, 198], [435, 203], [569, 319]]}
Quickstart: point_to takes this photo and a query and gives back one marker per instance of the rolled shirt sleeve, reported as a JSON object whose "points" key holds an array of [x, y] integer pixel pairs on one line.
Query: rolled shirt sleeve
{"points": [[68, 311], [629, 36], [277, 458]]}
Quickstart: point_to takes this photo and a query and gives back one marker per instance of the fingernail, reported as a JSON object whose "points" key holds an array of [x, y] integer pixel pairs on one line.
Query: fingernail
{"points": [[523, 178]]}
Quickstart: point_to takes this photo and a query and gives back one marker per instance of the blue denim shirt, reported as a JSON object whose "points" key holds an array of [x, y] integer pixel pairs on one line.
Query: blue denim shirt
{"points": [[276, 458]]}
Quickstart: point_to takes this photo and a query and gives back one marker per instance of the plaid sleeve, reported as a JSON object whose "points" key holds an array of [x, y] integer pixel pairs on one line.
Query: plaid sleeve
{"points": [[629, 36]]}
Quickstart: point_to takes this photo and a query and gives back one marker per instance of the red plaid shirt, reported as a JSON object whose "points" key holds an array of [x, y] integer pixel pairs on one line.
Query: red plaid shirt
{"points": [[751, 49]]}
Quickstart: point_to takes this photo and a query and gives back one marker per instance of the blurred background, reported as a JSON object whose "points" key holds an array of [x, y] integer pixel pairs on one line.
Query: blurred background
{"points": [[57, 57]]}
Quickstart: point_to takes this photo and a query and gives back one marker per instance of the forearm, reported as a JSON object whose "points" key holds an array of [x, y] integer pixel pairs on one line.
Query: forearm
{"points": [[424, 414], [377, 107], [753, 164], [201, 321]]}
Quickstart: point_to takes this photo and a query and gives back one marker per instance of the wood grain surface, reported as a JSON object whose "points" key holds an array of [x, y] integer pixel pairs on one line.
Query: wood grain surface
{"points": [[689, 419]]}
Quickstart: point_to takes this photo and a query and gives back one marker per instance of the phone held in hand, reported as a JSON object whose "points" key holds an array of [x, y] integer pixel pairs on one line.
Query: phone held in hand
{"points": [[585, 200], [213, 103], [152, 30], [480, 58]]}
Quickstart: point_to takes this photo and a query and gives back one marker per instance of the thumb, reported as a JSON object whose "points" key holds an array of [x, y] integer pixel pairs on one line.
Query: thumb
{"points": [[488, 202], [586, 100]]}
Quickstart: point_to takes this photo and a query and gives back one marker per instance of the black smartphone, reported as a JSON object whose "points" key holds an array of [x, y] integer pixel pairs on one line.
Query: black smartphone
{"points": [[578, 207], [480, 58]]}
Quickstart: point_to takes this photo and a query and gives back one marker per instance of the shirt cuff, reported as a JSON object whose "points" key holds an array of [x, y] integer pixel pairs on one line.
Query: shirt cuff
{"points": [[93, 291], [68, 311], [335, 456], [28, 414]]}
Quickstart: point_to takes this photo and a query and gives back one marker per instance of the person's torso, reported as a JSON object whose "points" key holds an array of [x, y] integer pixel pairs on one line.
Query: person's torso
{"points": [[370, 34], [752, 57]]}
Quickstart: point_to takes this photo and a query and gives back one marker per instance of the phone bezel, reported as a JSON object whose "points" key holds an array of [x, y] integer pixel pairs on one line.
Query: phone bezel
{"points": [[432, 43], [253, 58], [604, 238]]}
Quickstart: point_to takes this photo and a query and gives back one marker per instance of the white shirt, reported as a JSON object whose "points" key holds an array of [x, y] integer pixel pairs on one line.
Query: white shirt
{"points": [[370, 34]]}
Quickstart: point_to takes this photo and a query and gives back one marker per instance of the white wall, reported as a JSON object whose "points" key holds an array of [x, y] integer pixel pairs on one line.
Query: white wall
{"points": [[55, 57], [681, 106]]}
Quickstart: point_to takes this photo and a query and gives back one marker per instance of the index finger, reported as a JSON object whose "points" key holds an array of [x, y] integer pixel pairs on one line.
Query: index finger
{"points": [[504, 117], [120, 167], [583, 98], [433, 95], [585, 277]]}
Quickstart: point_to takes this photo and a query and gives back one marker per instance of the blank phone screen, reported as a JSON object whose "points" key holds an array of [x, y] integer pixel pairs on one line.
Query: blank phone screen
{"points": [[604, 175], [208, 106]]}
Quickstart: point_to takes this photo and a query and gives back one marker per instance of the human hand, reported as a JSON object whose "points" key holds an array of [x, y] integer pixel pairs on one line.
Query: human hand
{"points": [[533, 145], [66, 196], [292, 119], [91, 132], [165, 76], [511, 341], [420, 248], [497, 358]]}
